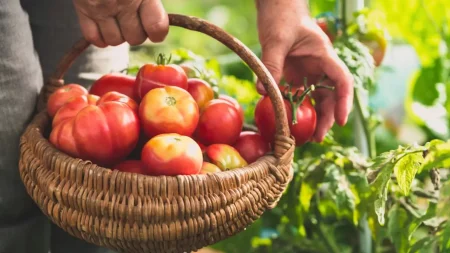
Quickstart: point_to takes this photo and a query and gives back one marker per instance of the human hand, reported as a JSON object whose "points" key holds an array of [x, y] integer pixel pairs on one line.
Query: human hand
{"points": [[295, 47], [112, 22]]}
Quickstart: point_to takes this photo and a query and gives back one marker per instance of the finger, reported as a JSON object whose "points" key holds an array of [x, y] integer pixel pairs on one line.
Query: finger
{"points": [[273, 56], [337, 72], [131, 27], [325, 115], [110, 31], [90, 30], [154, 20]]}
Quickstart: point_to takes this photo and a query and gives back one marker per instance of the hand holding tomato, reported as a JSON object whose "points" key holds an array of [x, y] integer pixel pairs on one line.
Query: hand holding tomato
{"points": [[295, 47]]}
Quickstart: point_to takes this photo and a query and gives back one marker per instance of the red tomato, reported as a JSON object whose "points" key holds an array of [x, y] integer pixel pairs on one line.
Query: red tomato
{"points": [[202, 147], [114, 82], [151, 76], [209, 168], [323, 24], [302, 131], [168, 110], [225, 157], [251, 146], [171, 155], [132, 166], [61, 95], [105, 133], [235, 103], [119, 97], [71, 108], [219, 122], [201, 91]]}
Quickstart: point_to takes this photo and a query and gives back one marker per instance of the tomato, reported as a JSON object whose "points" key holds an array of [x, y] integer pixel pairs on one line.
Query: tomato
{"points": [[265, 118], [118, 82], [235, 103], [302, 131], [168, 110], [324, 24], [201, 91], [202, 147], [251, 146], [132, 166], [119, 97], [209, 168], [151, 76], [71, 108], [172, 154], [219, 122], [105, 133], [190, 71], [61, 95], [225, 157]]}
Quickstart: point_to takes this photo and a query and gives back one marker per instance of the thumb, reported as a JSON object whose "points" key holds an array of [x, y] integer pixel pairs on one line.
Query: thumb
{"points": [[273, 58]]}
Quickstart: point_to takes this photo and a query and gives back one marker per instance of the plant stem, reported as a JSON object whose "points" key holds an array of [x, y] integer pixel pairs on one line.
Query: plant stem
{"points": [[370, 138]]}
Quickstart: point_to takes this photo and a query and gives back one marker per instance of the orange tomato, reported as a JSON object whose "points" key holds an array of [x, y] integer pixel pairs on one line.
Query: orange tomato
{"points": [[168, 110], [172, 154]]}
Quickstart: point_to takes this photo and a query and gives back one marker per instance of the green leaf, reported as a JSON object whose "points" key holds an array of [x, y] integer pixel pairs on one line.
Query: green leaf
{"points": [[424, 84], [424, 245], [444, 201], [438, 155], [405, 170], [339, 188], [445, 238], [359, 61], [398, 228], [384, 164]]}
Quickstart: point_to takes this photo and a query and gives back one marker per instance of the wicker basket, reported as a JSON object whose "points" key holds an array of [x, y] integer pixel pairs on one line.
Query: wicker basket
{"points": [[136, 213]]}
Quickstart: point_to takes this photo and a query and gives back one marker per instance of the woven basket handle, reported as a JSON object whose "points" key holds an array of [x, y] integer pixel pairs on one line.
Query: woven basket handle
{"points": [[199, 25]]}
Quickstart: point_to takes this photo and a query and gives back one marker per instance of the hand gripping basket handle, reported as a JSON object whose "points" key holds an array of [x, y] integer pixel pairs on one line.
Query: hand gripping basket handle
{"points": [[199, 25]]}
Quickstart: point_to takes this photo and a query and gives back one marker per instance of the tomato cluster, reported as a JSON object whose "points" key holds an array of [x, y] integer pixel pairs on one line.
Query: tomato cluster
{"points": [[164, 121]]}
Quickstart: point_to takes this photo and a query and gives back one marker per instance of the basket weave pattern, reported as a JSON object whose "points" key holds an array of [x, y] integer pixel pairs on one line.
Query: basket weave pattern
{"points": [[136, 213]]}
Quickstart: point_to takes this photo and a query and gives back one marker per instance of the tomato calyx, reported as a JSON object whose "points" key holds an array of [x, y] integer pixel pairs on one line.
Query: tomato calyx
{"points": [[163, 60], [296, 99], [171, 101]]}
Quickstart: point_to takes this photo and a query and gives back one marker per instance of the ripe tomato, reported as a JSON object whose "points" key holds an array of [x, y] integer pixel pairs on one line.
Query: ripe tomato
{"points": [[201, 91], [202, 147], [324, 25], [235, 103], [132, 166], [119, 97], [302, 131], [105, 133], [168, 110], [151, 76], [219, 122], [72, 107], [251, 146], [209, 168], [171, 155], [225, 157], [61, 95], [114, 82], [190, 71]]}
